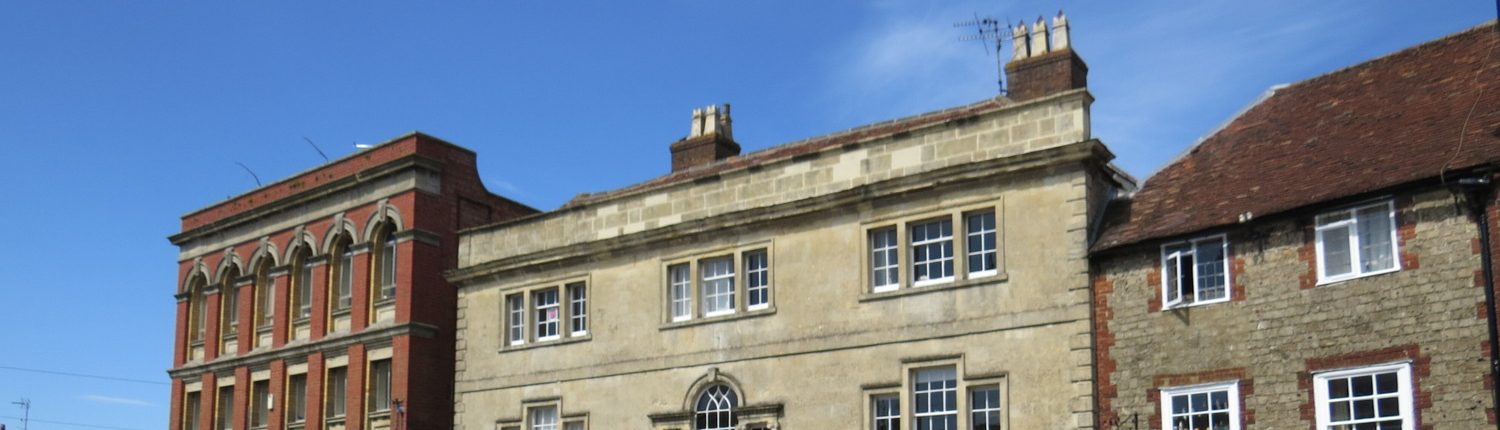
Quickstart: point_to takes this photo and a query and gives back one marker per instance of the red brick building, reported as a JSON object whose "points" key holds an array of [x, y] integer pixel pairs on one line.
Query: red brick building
{"points": [[1317, 262], [318, 302]]}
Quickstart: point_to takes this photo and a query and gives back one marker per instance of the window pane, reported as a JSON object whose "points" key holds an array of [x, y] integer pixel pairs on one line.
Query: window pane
{"points": [[260, 405], [757, 278], [345, 279], [297, 399], [387, 276], [718, 285], [380, 385], [544, 418], [984, 405], [1336, 258], [1374, 225], [981, 241], [190, 406], [716, 409], [334, 404], [304, 290], [578, 316], [934, 392], [1173, 289], [547, 313], [517, 322], [225, 412], [681, 291], [932, 251], [1211, 270], [887, 412], [1366, 400]]}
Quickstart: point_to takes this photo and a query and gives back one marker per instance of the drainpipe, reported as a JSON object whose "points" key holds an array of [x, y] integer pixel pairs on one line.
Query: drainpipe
{"points": [[1477, 191]]}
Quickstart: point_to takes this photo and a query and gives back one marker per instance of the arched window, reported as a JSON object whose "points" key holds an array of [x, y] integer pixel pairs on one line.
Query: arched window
{"points": [[715, 409], [341, 276], [265, 296], [385, 263], [229, 302], [197, 309], [302, 283]]}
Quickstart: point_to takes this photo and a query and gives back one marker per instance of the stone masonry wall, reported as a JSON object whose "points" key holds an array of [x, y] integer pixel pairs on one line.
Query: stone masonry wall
{"points": [[1006, 131], [1278, 328]]}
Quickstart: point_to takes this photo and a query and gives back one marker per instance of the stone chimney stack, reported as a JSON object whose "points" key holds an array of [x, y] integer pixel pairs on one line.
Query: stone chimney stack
{"points": [[710, 139], [1042, 61]]}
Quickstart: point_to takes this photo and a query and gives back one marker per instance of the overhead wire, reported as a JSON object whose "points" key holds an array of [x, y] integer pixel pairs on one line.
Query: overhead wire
{"points": [[82, 375]]}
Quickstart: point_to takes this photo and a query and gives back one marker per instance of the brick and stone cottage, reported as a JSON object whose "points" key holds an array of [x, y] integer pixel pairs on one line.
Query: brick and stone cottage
{"points": [[1317, 261]]}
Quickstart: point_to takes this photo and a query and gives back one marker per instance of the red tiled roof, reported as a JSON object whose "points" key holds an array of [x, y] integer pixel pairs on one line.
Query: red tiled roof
{"points": [[1379, 124], [802, 147]]}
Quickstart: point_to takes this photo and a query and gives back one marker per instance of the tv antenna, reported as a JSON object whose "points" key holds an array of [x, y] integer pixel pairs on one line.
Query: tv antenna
{"points": [[252, 173], [25, 405], [316, 148], [988, 30]]}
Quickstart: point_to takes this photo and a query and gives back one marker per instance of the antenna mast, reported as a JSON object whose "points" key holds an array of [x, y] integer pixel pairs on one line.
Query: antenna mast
{"points": [[987, 30]]}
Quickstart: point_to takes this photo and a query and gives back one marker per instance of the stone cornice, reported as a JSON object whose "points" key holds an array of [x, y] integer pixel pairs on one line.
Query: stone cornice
{"points": [[409, 162], [1084, 151], [377, 335]]}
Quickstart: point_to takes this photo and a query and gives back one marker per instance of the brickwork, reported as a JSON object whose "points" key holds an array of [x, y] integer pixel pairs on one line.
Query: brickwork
{"points": [[1284, 331], [418, 182]]}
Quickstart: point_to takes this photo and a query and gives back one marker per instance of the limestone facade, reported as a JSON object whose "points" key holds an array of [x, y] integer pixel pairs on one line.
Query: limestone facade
{"points": [[821, 342]]}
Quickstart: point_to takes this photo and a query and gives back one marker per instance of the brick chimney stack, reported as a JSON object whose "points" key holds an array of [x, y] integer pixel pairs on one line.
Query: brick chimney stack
{"points": [[1042, 61], [711, 139]]}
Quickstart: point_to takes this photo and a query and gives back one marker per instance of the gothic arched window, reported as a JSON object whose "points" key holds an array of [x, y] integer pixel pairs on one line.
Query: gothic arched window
{"points": [[715, 409]]}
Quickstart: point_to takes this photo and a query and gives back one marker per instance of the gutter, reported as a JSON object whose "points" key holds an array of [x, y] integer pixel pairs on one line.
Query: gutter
{"points": [[1477, 191]]}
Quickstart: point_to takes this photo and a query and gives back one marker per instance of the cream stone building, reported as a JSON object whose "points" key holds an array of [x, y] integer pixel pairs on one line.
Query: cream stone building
{"points": [[929, 272]]}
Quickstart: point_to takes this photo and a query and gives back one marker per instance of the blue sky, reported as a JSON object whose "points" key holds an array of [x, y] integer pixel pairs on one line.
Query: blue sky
{"points": [[118, 117]]}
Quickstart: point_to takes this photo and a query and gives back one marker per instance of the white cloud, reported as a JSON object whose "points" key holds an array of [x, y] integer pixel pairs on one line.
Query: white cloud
{"points": [[116, 400]]}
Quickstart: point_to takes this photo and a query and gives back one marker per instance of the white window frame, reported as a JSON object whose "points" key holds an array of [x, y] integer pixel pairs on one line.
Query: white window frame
{"points": [[516, 318], [893, 415], [891, 251], [993, 239], [721, 400], [998, 408], [1193, 246], [703, 284], [1404, 392], [753, 284], [680, 289], [1232, 389], [950, 410], [540, 311], [542, 418], [578, 308], [1356, 259], [930, 242]]}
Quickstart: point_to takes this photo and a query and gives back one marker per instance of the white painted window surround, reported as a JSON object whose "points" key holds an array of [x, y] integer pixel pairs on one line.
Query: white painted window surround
{"points": [[1357, 242]]}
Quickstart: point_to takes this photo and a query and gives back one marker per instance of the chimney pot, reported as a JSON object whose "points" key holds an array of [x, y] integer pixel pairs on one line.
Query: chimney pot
{"points": [[1060, 32], [1049, 65], [711, 139], [1039, 38], [1019, 42]]}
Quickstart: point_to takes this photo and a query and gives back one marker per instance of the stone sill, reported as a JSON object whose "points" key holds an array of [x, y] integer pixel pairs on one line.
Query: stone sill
{"points": [[718, 318], [912, 291], [546, 343]]}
